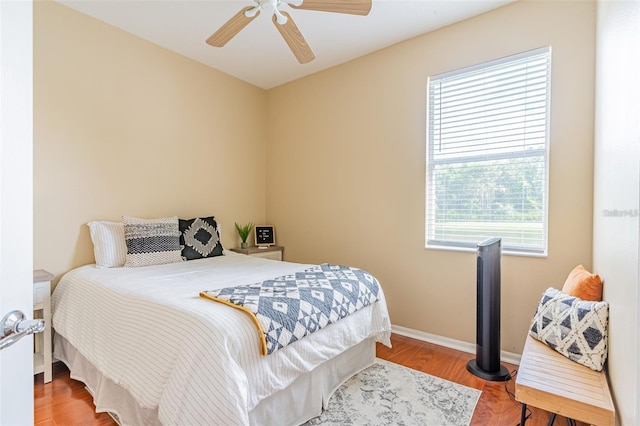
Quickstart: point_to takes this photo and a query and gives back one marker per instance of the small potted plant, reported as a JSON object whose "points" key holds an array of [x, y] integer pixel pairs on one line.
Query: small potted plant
{"points": [[244, 232]]}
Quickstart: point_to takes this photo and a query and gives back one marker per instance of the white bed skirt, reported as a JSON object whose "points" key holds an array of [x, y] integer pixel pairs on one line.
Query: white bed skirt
{"points": [[286, 407]]}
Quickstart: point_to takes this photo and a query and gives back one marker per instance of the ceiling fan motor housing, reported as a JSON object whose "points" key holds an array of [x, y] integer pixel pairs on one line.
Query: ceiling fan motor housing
{"points": [[272, 7], [287, 28]]}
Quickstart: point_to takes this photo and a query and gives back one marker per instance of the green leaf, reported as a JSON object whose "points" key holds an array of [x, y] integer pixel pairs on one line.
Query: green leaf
{"points": [[244, 231]]}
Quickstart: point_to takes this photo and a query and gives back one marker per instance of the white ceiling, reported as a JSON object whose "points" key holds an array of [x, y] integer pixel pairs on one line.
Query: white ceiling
{"points": [[258, 54]]}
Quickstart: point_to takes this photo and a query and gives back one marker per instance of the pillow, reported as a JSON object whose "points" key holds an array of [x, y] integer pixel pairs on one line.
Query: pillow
{"points": [[573, 327], [200, 238], [109, 247], [583, 284], [151, 241]]}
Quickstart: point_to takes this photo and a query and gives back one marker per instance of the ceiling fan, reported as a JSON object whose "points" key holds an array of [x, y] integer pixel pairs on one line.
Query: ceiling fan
{"points": [[282, 20]]}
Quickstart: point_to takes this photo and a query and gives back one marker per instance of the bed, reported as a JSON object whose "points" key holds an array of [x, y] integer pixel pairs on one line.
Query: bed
{"points": [[151, 351]]}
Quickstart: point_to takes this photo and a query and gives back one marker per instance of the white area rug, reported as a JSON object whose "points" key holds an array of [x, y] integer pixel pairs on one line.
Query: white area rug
{"points": [[390, 394]]}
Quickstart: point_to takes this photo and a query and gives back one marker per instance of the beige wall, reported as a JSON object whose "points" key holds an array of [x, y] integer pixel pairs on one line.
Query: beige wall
{"points": [[346, 167], [124, 127], [617, 187]]}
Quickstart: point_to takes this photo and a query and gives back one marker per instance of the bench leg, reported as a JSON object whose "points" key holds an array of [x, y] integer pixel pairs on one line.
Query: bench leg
{"points": [[552, 419], [523, 414]]}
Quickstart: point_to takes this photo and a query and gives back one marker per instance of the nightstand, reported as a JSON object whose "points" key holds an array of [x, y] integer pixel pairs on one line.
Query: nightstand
{"points": [[42, 341], [271, 252]]}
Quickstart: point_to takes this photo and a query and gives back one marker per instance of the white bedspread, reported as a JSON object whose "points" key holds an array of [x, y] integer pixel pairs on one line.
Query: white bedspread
{"points": [[197, 362]]}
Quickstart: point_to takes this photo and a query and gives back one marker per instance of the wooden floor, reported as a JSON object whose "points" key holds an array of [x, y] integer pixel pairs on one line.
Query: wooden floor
{"points": [[64, 401]]}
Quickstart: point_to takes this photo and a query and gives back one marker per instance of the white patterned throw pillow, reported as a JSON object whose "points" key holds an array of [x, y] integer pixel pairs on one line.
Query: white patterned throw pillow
{"points": [[152, 241], [109, 247], [573, 327]]}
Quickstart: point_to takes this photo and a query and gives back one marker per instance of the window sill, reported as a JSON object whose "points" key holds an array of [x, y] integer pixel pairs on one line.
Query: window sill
{"points": [[473, 250]]}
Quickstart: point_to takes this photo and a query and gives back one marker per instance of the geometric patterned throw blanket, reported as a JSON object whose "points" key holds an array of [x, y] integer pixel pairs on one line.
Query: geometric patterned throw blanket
{"points": [[287, 308]]}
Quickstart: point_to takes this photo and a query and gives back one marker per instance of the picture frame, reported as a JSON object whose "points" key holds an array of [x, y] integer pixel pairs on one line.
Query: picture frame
{"points": [[265, 236]]}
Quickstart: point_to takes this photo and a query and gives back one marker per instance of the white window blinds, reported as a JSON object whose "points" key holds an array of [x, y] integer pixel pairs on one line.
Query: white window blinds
{"points": [[487, 145]]}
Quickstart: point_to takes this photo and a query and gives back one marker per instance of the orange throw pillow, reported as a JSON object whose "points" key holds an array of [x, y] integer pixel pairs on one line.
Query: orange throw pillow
{"points": [[583, 284]]}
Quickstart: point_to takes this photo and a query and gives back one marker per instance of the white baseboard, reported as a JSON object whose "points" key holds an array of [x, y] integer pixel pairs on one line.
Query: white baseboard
{"points": [[447, 342]]}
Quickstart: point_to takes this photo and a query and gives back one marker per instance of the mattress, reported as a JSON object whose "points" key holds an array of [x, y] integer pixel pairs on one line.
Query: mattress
{"points": [[189, 359]]}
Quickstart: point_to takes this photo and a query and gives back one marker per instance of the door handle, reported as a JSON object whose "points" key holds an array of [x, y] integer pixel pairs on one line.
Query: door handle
{"points": [[15, 326]]}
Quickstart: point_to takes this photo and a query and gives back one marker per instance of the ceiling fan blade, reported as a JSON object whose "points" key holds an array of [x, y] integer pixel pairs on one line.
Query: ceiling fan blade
{"points": [[294, 38], [353, 7], [232, 27]]}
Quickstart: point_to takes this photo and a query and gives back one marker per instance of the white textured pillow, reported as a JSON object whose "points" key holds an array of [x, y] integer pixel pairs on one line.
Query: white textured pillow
{"points": [[109, 247], [152, 241]]}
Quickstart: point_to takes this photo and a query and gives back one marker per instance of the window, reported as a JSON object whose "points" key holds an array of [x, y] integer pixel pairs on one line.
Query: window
{"points": [[487, 148]]}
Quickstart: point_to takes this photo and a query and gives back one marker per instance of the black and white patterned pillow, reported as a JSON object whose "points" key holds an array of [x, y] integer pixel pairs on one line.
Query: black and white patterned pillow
{"points": [[151, 241], [576, 328], [200, 237]]}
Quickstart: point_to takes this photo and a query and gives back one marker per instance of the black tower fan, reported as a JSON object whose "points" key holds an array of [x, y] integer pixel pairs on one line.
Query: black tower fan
{"points": [[487, 362]]}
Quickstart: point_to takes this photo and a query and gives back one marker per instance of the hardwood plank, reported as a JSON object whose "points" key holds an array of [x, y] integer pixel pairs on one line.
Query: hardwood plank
{"points": [[65, 401]]}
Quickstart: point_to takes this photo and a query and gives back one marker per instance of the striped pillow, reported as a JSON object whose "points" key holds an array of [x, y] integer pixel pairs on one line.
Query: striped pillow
{"points": [[151, 241], [109, 247]]}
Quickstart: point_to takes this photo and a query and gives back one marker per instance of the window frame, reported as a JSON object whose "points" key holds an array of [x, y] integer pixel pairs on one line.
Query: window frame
{"points": [[430, 188]]}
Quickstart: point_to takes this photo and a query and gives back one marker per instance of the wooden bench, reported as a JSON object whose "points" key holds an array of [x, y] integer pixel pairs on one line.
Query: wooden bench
{"points": [[552, 382]]}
